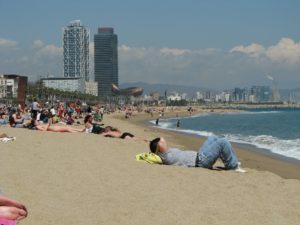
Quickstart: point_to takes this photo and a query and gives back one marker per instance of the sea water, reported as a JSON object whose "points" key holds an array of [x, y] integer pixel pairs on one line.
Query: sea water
{"points": [[275, 130]]}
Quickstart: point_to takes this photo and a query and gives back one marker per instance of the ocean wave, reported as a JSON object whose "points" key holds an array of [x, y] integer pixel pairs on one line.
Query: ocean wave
{"points": [[288, 148], [222, 113], [261, 112], [165, 124]]}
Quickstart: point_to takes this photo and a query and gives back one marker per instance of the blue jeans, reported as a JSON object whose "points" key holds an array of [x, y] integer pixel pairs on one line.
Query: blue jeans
{"points": [[214, 148], [3, 122]]}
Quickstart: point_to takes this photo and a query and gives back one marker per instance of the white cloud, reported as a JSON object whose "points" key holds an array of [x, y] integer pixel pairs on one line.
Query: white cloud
{"points": [[133, 53], [37, 44], [7, 43], [50, 51], [285, 51], [174, 51], [210, 68], [253, 50]]}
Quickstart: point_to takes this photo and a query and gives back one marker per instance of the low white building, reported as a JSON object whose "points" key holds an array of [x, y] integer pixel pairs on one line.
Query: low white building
{"points": [[91, 87], [252, 98], [199, 95], [65, 84], [174, 97], [8, 87], [71, 84], [2, 86], [223, 97]]}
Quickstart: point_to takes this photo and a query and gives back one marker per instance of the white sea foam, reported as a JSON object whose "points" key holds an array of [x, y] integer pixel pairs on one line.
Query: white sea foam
{"points": [[288, 148], [251, 112]]}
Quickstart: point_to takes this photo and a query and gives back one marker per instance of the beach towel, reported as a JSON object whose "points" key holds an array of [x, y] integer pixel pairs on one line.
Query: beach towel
{"points": [[7, 222], [149, 157]]}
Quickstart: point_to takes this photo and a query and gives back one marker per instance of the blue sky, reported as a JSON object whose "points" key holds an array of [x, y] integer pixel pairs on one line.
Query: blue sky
{"points": [[187, 42]]}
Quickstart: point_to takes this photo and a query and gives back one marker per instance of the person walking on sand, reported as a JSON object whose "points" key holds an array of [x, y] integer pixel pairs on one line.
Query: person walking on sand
{"points": [[35, 108], [211, 150]]}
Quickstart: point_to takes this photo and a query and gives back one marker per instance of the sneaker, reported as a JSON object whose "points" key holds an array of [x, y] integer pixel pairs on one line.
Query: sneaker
{"points": [[239, 168]]}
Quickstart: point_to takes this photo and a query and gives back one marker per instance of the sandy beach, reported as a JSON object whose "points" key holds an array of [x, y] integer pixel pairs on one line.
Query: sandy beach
{"points": [[76, 178]]}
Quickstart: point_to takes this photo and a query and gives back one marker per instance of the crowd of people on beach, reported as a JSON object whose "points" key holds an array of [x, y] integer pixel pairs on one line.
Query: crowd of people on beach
{"points": [[63, 117]]}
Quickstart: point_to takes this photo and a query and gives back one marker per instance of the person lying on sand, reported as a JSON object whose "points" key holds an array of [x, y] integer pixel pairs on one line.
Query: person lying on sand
{"points": [[211, 150], [116, 133], [11, 209], [108, 131], [55, 128]]}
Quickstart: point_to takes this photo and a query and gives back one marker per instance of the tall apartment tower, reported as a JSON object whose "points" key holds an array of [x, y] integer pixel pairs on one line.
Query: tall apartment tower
{"points": [[76, 40], [106, 60]]}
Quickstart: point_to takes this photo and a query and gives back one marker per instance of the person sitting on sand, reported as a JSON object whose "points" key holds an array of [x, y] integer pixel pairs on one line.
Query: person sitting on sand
{"points": [[92, 127], [15, 119], [3, 119], [11, 209], [211, 150]]}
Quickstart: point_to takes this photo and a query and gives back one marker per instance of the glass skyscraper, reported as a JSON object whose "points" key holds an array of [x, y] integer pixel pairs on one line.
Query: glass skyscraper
{"points": [[106, 60], [76, 50]]}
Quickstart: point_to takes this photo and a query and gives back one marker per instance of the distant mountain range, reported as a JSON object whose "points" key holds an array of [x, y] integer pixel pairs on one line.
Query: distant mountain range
{"points": [[191, 90]]}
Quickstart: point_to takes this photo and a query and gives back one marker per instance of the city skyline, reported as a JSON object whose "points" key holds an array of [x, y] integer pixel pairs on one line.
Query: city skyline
{"points": [[210, 44]]}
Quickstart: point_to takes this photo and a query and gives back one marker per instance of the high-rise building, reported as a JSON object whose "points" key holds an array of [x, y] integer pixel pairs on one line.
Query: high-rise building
{"points": [[106, 60], [261, 93], [76, 50]]}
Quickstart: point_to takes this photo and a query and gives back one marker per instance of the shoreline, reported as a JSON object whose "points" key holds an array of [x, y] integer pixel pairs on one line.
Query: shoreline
{"points": [[243, 146], [250, 156]]}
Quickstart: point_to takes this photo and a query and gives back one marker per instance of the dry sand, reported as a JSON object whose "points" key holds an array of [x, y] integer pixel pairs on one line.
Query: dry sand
{"points": [[76, 178]]}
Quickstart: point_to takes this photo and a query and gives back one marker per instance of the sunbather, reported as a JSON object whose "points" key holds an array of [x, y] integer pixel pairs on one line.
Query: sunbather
{"points": [[56, 128], [212, 149], [116, 133], [11, 209]]}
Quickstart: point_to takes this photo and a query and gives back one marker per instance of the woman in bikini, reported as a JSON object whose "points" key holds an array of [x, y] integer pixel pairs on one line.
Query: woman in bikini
{"points": [[55, 128], [116, 133]]}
